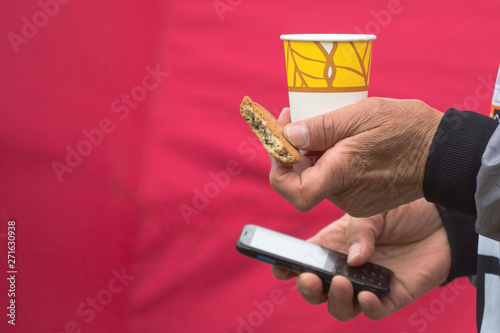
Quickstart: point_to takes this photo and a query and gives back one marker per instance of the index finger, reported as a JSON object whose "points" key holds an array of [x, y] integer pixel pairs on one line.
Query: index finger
{"points": [[285, 117], [289, 181], [304, 188], [283, 274]]}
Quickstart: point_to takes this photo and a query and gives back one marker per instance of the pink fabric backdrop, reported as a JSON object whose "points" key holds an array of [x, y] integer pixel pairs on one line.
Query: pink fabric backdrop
{"points": [[130, 173]]}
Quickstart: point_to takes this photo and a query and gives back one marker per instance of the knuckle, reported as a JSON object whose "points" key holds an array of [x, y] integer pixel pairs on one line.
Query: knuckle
{"points": [[418, 103], [374, 102], [378, 107], [273, 182], [302, 205], [303, 201], [327, 129], [296, 197]]}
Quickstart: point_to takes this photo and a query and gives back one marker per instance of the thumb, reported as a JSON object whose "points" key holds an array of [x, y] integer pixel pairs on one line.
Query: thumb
{"points": [[361, 236], [324, 131]]}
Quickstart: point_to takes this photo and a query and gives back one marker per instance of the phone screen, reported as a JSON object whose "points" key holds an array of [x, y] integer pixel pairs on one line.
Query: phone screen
{"points": [[289, 247], [298, 255]]}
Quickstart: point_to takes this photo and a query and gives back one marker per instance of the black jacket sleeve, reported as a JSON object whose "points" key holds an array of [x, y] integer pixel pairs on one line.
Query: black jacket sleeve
{"points": [[463, 241], [455, 158]]}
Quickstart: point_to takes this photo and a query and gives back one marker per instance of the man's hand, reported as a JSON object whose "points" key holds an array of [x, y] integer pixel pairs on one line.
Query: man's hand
{"points": [[410, 240], [366, 158]]}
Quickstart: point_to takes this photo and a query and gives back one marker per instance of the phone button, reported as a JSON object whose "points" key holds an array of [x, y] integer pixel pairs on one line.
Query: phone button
{"points": [[266, 260]]}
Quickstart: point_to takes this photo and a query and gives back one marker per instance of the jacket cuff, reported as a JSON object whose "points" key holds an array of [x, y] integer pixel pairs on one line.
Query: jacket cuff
{"points": [[463, 241], [455, 158]]}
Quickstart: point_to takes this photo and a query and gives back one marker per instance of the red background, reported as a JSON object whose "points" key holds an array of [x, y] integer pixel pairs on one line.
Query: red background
{"points": [[119, 209]]}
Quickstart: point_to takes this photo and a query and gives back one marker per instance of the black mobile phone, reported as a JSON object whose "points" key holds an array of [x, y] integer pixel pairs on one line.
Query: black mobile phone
{"points": [[299, 256]]}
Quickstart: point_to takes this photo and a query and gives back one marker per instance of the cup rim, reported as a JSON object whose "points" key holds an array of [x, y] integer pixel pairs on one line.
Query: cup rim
{"points": [[328, 37]]}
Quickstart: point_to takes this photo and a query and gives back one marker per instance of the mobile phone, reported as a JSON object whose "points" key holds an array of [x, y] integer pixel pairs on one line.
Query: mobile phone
{"points": [[299, 256]]}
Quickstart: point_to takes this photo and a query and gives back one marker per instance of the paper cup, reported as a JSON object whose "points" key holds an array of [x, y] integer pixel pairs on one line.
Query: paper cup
{"points": [[326, 71]]}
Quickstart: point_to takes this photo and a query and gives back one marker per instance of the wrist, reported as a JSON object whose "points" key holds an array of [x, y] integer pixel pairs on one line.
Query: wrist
{"points": [[430, 128]]}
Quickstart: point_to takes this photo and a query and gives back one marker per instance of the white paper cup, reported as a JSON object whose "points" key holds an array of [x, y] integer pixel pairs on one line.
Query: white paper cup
{"points": [[326, 71]]}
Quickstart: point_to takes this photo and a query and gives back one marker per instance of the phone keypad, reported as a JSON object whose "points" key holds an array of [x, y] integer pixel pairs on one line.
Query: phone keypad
{"points": [[368, 272]]}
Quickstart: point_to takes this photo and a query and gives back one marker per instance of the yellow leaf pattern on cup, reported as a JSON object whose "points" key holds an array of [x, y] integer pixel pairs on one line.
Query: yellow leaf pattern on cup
{"points": [[328, 66]]}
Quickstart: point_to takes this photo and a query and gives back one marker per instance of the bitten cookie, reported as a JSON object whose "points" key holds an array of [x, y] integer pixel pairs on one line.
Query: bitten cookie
{"points": [[269, 132]]}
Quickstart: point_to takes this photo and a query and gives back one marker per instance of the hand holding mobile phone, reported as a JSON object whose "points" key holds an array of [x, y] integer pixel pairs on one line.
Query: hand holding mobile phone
{"points": [[299, 256]]}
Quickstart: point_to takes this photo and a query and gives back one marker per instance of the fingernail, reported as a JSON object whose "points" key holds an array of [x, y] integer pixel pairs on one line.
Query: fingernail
{"points": [[297, 135], [281, 114], [354, 252], [302, 288], [364, 303]]}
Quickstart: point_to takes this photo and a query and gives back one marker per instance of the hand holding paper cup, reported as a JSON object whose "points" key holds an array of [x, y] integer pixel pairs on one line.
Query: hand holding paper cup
{"points": [[326, 71]]}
